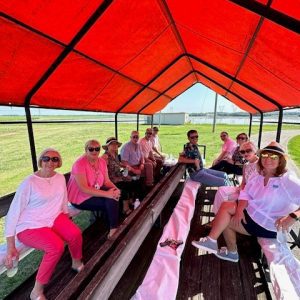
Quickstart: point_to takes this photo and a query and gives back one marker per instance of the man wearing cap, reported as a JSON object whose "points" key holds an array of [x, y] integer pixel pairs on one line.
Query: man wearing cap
{"points": [[152, 166], [131, 154]]}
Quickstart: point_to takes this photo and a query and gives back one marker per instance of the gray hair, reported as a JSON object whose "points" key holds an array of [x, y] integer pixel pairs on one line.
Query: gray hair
{"points": [[44, 152], [251, 144]]}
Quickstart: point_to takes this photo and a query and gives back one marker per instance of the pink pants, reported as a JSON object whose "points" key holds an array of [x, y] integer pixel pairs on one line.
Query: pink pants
{"points": [[51, 241]]}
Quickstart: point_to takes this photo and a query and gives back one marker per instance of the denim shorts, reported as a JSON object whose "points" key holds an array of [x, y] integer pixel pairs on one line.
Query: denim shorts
{"points": [[256, 230]]}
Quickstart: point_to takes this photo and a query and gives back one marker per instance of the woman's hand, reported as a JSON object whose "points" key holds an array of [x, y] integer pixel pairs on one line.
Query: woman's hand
{"points": [[113, 193], [238, 217], [12, 252], [284, 223]]}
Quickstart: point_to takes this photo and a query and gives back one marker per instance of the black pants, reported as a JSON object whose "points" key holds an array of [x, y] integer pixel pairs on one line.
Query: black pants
{"points": [[228, 168]]}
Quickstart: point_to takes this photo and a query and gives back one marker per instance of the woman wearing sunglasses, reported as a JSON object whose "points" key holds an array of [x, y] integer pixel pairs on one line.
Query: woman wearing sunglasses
{"points": [[90, 188], [233, 164], [121, 179], [269, 202], [231, 193], [38, 217]]}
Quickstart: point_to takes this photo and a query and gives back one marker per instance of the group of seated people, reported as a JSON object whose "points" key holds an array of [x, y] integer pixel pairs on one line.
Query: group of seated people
{"points": [[267, 200], [266, 204], [38, 215]]}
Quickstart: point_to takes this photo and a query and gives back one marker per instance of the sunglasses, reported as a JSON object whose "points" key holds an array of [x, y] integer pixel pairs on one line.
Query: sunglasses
{"points": [[194, 137], [246, 151], [135, 136], [149, 133], [92, 149], [223, 135], [241, 138], [271, 155], [48, 158]]}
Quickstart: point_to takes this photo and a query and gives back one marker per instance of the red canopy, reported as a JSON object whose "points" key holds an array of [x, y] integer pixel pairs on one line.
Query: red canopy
{"points": [[136, 56]]}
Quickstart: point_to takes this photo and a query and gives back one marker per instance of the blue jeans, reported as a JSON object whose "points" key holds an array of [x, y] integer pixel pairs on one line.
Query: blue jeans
{"points": [[210, 177], [107, 205]]}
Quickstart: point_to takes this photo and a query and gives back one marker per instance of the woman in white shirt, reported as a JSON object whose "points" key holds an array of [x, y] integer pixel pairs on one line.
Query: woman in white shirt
{"points": [[38, 217], [269, 202]]}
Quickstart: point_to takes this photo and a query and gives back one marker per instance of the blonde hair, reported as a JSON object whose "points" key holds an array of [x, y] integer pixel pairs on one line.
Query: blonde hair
{"points": [[43, 153], [89, 142], [251, 144]]}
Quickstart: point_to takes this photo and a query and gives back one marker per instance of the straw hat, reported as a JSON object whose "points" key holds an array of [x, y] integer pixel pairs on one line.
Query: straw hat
{"points": [[109, 141], [274, 147]]}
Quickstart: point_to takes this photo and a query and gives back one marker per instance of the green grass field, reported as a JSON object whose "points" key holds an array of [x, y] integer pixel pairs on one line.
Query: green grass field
{"points": [[69, 139], [294, 149]]}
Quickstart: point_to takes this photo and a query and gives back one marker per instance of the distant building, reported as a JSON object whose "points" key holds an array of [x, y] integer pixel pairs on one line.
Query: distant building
{"points": [[171, 118]]}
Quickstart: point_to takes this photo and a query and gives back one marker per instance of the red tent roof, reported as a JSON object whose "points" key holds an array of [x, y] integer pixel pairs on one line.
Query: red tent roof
{"points": [[136, 56]]}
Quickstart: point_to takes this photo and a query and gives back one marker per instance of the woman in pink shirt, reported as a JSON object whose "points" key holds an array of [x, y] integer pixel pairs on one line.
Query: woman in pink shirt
{"points": [[90, 188], [38, 216]]}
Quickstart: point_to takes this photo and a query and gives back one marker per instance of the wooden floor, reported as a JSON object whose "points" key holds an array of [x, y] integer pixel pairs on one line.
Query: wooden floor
{"points": [[202, 276]]}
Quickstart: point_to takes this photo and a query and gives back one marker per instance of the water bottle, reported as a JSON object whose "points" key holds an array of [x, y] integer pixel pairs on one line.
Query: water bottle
{"points": [[281, 236], [136, 203], [125, 172], [13, 271]]}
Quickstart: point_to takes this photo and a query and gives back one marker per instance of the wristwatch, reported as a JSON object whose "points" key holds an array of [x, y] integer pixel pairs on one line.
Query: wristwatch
{"points": [[294, 216]]}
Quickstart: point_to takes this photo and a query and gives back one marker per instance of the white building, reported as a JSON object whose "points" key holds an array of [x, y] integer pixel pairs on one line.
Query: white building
{"points": [[171, 118]]}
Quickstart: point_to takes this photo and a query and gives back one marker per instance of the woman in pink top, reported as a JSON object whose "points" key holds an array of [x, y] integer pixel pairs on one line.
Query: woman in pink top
{"points": [[90, 188], [38, 217]]}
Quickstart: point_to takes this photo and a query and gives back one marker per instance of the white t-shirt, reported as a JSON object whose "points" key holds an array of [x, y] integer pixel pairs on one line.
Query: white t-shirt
{"points": [[37, 203], [278, 198]]}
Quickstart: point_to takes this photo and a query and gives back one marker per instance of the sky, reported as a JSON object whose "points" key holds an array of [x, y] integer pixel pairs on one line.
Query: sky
{"points": [[196, 99]]}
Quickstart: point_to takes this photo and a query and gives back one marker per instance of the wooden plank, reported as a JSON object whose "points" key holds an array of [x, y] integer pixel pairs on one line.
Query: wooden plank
{"points": [[108, 276]]}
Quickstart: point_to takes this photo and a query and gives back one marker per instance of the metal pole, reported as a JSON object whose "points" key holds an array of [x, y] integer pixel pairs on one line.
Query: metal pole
{"points": [[215, 113], [260, 129], [116, 125], [152, 121], [250, 126], [137, 122], [31, 138], [279, 126]]}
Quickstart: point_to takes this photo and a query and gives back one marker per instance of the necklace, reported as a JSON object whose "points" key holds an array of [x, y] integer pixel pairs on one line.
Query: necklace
{"points": [[95, 168]]}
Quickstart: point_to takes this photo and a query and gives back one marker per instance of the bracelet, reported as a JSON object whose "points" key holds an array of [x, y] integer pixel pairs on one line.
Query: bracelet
{"points": [[294, 216]]}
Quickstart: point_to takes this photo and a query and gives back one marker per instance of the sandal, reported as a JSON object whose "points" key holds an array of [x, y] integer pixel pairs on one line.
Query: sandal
{"points": [[78, 269], [37, 297]]}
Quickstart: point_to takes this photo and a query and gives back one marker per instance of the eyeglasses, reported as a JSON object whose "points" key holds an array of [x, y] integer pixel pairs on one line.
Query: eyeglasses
{"points": [[48, 158], [271, 155], [241, 138], [194, 137], [92, 149], [246, 151], [135, 136]]}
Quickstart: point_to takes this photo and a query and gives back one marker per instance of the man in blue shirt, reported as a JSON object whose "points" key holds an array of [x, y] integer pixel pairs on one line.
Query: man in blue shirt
{"points": [[192, 157]]}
